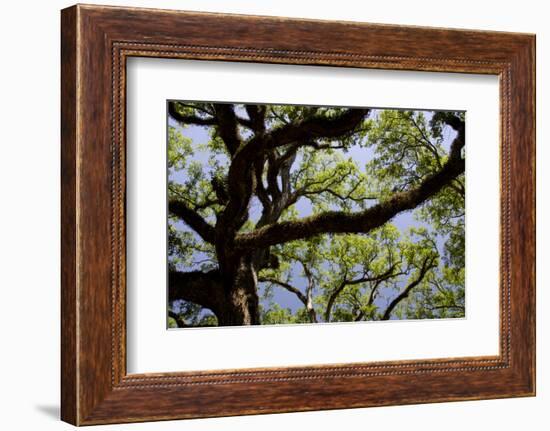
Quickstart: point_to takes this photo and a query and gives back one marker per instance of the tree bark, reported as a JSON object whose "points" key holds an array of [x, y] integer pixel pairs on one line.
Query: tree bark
{"points": [[232, 297], [242, 304], [202, 288]]}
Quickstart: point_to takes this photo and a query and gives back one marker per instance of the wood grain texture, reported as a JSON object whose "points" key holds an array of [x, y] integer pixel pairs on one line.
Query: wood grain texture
{"points": [[69, 397], [96, 41]]}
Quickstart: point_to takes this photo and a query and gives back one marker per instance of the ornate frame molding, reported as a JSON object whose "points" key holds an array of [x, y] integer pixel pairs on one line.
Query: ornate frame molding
{"points": [[96, 41]]}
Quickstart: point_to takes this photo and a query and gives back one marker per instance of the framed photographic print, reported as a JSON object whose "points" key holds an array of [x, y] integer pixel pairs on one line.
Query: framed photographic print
{"points": [[322, 214]]}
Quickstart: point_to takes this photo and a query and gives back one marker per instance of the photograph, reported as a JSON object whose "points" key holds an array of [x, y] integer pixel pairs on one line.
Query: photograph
{"points": [[293, 214]]}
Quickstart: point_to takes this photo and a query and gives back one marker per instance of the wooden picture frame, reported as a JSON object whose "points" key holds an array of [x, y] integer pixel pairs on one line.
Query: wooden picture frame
{"points": [[95, 43]]}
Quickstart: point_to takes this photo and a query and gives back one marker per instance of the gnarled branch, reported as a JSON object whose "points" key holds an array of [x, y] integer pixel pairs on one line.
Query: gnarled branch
{"points": [[362, 221], [227, 126], [202, 288], [193, 219], [256, 113], [189, 119], [317, 126]]}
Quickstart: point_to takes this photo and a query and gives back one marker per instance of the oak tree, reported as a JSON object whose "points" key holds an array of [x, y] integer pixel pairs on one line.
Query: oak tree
{"points": [[301, 199]]}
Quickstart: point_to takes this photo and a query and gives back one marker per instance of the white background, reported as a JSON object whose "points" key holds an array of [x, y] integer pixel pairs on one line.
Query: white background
{"points": [[151, 348], [29, 225]]}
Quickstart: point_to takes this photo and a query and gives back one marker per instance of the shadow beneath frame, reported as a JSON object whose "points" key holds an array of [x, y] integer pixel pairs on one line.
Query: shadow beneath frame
{"points": [[52, 411]]}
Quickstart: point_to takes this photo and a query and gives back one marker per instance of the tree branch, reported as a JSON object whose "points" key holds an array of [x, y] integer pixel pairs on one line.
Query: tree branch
{"points": [[310, 309], [202, 288], [192, 219], [317, 126], [285, 286], [261, 192], [336, 292], [227, 126], [427, 264], [256, 113], [188, 119], [362, 221]]}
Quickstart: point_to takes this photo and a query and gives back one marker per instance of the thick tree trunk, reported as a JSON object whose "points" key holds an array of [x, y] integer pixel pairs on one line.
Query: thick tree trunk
{"points": [[232, 296], [241, 305], [241, 308]]}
